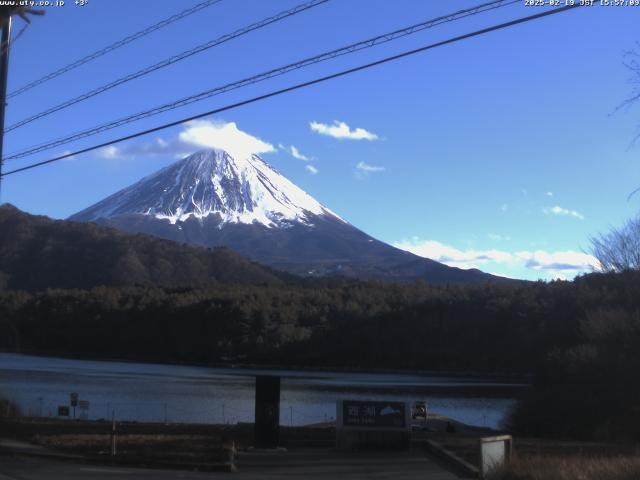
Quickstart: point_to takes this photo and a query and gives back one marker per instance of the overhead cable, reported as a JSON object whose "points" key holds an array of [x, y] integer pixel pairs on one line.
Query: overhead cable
{"points": [[355, 47], [301, 85], [114, 46]]}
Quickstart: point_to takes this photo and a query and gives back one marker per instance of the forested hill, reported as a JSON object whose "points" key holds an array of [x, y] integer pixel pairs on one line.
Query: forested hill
{"points": [[37, 252]]}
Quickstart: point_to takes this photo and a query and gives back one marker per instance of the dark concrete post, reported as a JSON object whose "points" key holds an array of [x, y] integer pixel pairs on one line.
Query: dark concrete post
{"points": [[5, 22], [267, 423]]}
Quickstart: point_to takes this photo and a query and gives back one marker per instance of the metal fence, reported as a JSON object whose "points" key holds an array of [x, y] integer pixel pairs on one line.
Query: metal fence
{"points": [[220, 412]]}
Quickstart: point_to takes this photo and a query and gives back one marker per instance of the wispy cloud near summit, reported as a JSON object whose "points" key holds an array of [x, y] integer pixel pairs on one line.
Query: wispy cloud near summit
{"points": [[195, 135]]}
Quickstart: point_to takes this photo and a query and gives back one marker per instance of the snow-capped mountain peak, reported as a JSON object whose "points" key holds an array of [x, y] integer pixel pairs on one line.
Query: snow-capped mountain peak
{"points": [[212, 182], [212, 199]]}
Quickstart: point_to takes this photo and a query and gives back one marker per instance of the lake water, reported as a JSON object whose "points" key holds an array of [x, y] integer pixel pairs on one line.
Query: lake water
{"points": [[155, 392]]}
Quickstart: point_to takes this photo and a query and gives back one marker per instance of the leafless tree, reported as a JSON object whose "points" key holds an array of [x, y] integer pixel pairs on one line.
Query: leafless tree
{"points": [[632, 62], [619, 249]]}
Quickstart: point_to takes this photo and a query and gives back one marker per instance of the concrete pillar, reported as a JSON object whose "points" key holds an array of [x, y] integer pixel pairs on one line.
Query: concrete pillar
{"points": [[267, 423]]}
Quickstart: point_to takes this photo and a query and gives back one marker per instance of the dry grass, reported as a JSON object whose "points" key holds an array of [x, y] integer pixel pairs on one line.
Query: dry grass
{"points": [[99, 440], [571, 468], [198, 448]]}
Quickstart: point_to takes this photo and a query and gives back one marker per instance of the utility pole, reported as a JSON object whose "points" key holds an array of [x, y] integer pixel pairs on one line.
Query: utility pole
{"points": [[4, 72], [6, 13]]}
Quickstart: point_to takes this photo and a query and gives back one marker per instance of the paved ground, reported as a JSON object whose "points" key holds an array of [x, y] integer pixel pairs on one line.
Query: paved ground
{"points": [[315, 464]]}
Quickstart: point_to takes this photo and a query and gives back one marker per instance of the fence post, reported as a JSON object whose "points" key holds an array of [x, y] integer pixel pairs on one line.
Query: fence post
{"points": [[232, 457], [113, 434]]}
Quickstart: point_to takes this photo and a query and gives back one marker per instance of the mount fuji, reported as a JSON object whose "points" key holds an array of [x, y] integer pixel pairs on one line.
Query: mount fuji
{"points": [[212, 199]]}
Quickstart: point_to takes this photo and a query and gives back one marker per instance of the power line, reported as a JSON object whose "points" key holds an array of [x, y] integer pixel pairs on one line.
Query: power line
{"points": [[369, 43], [114, 46], [170, 61], [302, 85]]}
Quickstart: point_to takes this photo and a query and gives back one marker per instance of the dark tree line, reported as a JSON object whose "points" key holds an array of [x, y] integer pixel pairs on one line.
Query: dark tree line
{"points": [[589, 388]]}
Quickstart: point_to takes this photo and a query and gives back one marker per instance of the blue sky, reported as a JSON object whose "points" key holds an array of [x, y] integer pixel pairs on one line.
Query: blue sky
{"points": [[502, 152]]}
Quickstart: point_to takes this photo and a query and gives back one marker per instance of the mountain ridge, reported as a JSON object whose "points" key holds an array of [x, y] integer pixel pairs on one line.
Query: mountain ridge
{"points": [[37, 252]]}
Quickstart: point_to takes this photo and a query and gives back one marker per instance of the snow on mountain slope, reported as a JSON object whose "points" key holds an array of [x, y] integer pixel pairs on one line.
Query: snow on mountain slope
{"points": [[211, 182]]}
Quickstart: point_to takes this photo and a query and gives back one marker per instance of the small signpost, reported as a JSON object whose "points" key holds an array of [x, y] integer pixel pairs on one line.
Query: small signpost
{"points": [[419, 414], [364, 424], [73, 401], [84, 409]]}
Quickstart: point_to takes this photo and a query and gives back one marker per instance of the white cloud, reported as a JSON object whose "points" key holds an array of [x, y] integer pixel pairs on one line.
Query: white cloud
{"points": [[549, 194], [294, 152], [311, 169], [452, 256], [110, 152], [194, 136], [558, 261], [539, 263], [342, 130], [498, 238], [223, 135], [366, 168], [563, 212], [157, 146], [68, 152]]}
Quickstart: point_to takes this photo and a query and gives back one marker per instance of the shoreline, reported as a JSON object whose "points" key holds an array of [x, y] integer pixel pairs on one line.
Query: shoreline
{"points": [[527, 378]]}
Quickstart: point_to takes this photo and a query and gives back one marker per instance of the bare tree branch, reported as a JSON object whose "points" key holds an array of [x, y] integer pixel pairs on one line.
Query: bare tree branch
{"points": [[619, 249], [631, 61]]}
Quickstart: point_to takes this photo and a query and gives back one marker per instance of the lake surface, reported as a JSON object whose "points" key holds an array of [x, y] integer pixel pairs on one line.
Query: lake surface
{"points": [[155, 392]]}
